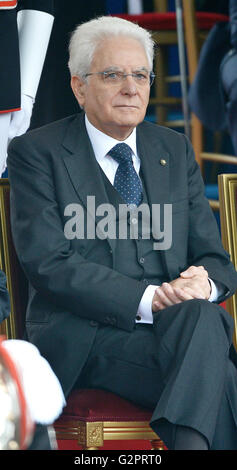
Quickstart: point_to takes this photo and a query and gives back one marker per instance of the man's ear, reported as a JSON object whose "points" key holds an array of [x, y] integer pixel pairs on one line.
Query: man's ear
{"points": [[78, 86]]}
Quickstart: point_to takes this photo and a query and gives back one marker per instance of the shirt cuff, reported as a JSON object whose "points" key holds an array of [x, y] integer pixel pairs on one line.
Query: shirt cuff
{"points": [[144, 312], [217, 290]]}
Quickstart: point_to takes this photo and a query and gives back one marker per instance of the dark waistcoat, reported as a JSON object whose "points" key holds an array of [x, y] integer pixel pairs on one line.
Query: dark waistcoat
{"points": [[135, 256]]}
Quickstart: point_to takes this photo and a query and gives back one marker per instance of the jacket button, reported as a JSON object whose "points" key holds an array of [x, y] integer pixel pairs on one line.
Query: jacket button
{"points": [[110, 320], [93, 323]]}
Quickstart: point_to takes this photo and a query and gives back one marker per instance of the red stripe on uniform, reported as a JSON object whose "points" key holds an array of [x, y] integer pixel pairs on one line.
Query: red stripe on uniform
{"points": [[8, 3], [10, 110]]}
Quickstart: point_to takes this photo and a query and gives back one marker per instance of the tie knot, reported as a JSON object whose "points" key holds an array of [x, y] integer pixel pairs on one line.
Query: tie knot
{"points": [[122, 153]]}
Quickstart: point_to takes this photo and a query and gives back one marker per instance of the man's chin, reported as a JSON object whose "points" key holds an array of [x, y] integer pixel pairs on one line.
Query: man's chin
{"points": [[128, 112], [131, 123], [129, 119]]}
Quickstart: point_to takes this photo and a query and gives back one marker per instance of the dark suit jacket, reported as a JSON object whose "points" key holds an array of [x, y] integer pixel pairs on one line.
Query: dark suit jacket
{"points": [[74, 284]]}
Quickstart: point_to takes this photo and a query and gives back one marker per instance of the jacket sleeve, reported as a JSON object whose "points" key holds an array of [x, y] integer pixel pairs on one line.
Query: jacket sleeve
{"points": [[9, 62]]}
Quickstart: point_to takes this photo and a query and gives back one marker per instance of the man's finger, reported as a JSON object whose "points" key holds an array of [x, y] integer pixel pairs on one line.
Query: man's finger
{"points": [[191, 293], [193, 271], [163, 297], [169, 292], [183, 294]]}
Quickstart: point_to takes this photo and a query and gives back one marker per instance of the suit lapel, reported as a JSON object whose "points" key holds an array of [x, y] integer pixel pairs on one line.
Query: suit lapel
{"points": [[155, 166], [83, 169]]}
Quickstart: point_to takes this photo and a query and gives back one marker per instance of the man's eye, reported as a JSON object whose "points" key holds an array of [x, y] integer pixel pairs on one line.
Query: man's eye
{"points": [[141, 76], [111, 76]]}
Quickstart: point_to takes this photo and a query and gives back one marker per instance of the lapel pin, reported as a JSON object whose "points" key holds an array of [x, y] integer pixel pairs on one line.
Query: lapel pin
{"points": [[163, 162]]}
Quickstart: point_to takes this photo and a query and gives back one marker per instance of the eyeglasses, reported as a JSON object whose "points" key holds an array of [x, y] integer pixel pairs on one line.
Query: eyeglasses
{"points": [[116, 77]]}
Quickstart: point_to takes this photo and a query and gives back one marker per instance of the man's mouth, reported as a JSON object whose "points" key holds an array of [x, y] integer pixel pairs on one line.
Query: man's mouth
{"points": [[126, 106]]}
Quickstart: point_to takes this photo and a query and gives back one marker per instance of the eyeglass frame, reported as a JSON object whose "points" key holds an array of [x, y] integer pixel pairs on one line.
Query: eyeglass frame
{"points": [[122, 74]]}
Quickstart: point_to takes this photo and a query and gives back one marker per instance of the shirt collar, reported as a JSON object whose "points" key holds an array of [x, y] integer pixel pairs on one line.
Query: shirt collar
{"points": [[103, 143]]}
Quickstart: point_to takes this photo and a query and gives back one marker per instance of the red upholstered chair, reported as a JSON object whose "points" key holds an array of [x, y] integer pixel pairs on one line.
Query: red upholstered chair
{"points": [[94, 416], [91, 416], [163, 26]]}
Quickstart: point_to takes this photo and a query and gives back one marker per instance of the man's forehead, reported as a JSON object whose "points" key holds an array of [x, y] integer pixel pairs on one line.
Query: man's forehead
{"points": [[118, 49], [130, 43]]}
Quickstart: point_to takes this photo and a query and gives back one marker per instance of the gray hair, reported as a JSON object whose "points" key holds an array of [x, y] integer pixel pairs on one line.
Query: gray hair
{"points": [[87, 36]]}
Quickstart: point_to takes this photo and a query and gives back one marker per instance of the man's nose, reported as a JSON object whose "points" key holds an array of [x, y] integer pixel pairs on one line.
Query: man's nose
{"points": [[129, 85]]}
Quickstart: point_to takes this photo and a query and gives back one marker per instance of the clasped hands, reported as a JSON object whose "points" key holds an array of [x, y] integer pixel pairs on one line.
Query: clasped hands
{"points": [[193, 283]]}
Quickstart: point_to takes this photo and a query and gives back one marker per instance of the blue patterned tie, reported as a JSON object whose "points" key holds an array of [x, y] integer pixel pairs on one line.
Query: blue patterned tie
{"points": [[127, 181]]}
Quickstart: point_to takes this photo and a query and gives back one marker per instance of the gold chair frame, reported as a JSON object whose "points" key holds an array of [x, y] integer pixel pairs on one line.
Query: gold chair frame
{"points": [[91, 435], [228, 218]]}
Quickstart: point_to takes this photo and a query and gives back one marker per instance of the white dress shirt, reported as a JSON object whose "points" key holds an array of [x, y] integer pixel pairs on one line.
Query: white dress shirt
{"points": [[102, 144]]}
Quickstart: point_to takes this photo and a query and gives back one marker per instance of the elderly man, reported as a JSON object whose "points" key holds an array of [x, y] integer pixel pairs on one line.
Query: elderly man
{"points": [[131, 311]]}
